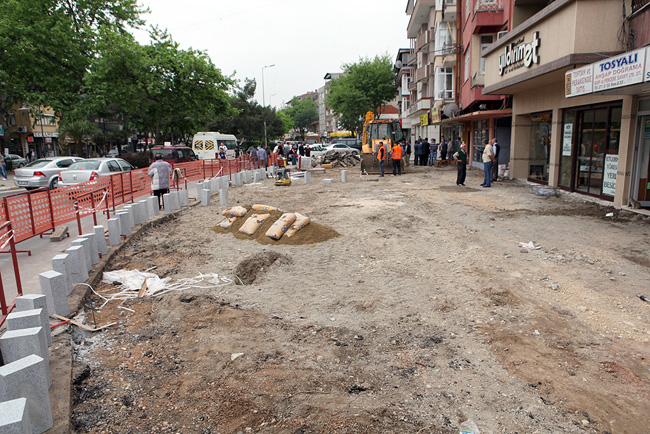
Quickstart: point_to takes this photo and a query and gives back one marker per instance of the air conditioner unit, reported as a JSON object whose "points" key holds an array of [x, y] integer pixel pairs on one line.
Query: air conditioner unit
{"points": [[501, 34], [22, 129]]}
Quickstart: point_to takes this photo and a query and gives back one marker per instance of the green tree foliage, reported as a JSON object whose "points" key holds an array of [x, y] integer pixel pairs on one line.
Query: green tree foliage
{"points": [[364, 86], [246, 120], [303, 113], [286, 120], [46, 46]]}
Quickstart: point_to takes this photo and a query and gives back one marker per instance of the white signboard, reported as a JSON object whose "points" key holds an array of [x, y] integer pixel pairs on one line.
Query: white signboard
{"points": [[45, 134], [609, 174], [579, 81], [618, 71], [566, 140]]}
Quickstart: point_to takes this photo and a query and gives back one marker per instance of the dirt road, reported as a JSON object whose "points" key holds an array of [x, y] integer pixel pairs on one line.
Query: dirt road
{"points": [[422, 314]]}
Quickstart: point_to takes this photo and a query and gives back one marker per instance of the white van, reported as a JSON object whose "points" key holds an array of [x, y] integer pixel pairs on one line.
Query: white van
{"points": [[206, 144]]}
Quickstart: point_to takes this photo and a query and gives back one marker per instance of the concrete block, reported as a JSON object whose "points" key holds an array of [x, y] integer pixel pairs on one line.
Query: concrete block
{"points": [[223, 196], [214, 184], [317, 171], [114, 231], [61, 264], [176, 199], [141, 210], [85, 243], [154, 207], [32, 318], [199, 188], [92, 245], [26, 378], [53, 287], [205, 197], [35, 302], [256, 177], [100, 239], [225, 183], [129, 210], [307, 177], [167, 202], [16, 344], [78, 269], [184, 197], [125, 225], [328, 181], [14, 417], [132, 209], [344, 176], [59, 233]]}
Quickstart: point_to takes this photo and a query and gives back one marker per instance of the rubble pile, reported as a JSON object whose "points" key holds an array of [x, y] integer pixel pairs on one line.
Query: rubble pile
{"points": [[337, 159]]}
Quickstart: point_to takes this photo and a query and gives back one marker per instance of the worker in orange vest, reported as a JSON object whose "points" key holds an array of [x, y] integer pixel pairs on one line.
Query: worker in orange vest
{"points": [[381, 156], [396, 156]]}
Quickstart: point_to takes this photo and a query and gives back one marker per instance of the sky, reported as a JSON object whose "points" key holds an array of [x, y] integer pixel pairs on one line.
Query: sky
{"points": [[304, 39]]}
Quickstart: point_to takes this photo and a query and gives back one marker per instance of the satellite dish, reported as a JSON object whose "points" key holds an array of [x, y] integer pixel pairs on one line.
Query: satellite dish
{"points": [[399, 64], [450, 110]]}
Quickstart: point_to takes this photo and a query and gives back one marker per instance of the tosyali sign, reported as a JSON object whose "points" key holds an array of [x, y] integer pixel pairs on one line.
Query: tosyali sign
{"points": [[519, 54]]}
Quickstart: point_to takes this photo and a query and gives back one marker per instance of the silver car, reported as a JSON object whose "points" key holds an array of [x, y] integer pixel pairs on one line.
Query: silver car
{"points": [[16, 161], [43, 172], [91, 169], [341, 148]]}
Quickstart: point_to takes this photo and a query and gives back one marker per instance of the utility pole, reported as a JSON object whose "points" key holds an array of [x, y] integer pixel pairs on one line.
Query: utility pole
{"points": [[263, 100]]}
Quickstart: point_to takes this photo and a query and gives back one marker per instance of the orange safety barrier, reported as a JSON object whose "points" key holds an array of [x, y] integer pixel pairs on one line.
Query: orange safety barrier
{"points": [[7, 238]]}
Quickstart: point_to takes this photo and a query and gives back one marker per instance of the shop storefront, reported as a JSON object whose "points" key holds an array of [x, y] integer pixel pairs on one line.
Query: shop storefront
{"points": [[580, 138]]}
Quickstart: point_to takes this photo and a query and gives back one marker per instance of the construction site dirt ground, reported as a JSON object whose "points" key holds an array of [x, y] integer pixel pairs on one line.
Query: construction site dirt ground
{"points": [[408, 306]]}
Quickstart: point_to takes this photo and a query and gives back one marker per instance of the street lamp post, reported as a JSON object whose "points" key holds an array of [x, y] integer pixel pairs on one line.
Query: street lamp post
{"points": [[263, 99]]}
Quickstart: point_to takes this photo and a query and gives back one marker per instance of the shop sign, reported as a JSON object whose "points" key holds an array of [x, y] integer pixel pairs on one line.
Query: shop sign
{"points": [[424, 119], [435, 115], [579, 81], [618, 71], [566, 140], [519, 54], [609, 174], [45, 134], [647, 65]]}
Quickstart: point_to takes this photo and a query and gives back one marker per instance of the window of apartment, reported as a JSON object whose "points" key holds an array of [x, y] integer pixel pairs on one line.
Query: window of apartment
{"points": [[444, 83], [467, 60], [485, 41], [443, 37], [46, 120]]}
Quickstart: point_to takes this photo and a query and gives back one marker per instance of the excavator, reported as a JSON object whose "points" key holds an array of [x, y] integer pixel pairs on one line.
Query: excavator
{"points": [[388, 131]]}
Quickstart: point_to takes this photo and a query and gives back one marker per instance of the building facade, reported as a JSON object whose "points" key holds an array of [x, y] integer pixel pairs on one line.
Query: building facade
{"points": [[579, 79], [327, 122], [32, 129]]}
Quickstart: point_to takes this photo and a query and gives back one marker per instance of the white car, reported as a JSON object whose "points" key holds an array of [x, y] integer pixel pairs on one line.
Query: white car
{"points": [[341, 148], [91, 169]]}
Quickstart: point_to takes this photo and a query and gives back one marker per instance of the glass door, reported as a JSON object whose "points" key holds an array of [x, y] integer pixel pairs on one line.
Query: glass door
{"points": [[592, 142]]}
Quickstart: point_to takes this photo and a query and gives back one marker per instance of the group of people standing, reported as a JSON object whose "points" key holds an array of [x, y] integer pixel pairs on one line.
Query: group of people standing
{"points": [[395, 156], [427, 152]]}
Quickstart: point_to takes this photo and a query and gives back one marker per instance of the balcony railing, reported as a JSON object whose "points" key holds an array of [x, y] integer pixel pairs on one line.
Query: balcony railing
{"points": [[637, 5], [488, 5], [422, 40], [444, 94], [422, 104]]}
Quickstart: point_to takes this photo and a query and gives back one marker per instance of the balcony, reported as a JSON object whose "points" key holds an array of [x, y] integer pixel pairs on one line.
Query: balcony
{"points": [[422, 105], [637, 5], [444, 94], [422, 40], [449, 10], [488, 6]]}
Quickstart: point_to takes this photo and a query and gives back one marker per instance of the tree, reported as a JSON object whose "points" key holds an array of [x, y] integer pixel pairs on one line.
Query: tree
{"points": [[303, 113], [364, 86]]}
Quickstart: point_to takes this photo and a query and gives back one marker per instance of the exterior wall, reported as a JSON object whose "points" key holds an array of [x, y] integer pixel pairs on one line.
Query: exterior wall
{"points": [[641, 25]]}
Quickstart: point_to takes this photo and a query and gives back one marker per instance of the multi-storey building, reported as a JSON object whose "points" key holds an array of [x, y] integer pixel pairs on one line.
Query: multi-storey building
{"points": [[402, 83], [32, 129], [327, 121], [578, 73]]}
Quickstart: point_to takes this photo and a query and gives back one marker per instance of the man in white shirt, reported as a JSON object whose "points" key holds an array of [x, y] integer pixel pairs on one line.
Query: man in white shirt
{"points": [[488, 161]]}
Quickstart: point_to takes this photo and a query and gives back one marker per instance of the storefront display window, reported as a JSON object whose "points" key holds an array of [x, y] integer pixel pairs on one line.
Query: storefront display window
{"points": [[481, 131], [540, 143], [568, 132]]}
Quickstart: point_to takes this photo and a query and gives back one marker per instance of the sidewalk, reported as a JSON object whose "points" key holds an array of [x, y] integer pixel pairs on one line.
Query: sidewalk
{"points": [[9, 183]]}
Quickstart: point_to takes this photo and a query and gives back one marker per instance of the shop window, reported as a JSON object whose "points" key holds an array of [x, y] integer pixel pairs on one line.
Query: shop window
{"points": [[568, 132], [481, 131], [540, 146]]}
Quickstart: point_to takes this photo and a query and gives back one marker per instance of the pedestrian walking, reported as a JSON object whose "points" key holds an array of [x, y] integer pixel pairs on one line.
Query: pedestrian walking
{"points": [[381, 156], [495, 166], [396, 157], [159, 172], [433, 151], [3, 167], [488, 161], [461, 157], [262, 156]]}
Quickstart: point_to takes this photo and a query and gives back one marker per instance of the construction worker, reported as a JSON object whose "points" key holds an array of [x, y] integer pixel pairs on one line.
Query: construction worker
{"points": [[381, 156], [396, 156]]}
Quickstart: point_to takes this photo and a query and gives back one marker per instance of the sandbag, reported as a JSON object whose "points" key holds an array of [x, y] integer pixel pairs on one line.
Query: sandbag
{"points": [[227, 222], [301, 222], [281, 225], [258, 207], [253, 223], [235, 211]]}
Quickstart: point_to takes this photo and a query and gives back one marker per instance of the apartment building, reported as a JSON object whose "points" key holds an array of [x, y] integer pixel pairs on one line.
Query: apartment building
{"points": [[327, 121], [32, 129], [402, 83], [578, 73]]}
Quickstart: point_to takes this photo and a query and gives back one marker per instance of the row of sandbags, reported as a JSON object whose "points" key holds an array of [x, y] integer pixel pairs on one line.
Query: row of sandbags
{"points": [[287, 225]]}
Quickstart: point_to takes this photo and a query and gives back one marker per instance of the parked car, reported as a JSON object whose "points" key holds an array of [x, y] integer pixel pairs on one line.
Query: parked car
{"points": [[339, 147], [16, 161], [173, 154], [91, 169], [113, 153], [350, 141], [43, 172], [316, 150]]}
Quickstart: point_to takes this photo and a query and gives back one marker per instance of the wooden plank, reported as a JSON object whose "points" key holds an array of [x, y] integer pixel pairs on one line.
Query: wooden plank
{"points": [[144, 288], [83, 326]]}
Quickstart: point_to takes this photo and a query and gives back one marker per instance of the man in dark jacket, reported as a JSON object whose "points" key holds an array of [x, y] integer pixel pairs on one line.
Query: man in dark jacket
{"points": [[495, 166]]}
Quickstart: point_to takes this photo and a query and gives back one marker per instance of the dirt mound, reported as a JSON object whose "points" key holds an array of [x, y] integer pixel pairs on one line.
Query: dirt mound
{"points": [[311, 234], [248, 269]]}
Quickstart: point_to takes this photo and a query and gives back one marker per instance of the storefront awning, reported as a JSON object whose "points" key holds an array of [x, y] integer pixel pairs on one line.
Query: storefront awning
{"points": [[478, 116]]}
